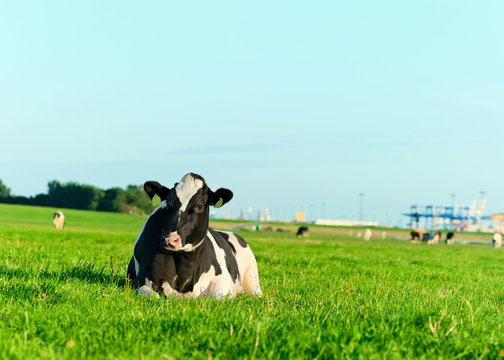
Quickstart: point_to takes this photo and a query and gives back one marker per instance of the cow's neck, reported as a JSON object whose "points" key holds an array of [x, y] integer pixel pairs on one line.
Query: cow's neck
{"points": [[190, 256], [188, 267]]}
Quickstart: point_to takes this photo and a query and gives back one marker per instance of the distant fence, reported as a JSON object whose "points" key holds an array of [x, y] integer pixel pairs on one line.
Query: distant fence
{"points": [[346, 223]]}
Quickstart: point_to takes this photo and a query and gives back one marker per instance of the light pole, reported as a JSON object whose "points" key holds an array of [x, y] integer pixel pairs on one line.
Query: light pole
{"points": [[482, 192], [361, 205], [453, 213]]}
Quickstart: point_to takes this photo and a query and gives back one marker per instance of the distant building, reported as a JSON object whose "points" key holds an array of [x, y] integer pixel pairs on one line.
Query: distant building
{"points": [[265, 216], [300, 217]]}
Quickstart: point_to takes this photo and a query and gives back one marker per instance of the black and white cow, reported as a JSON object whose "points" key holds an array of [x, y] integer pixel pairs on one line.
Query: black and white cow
{"points": [[303, 231], [177, 254], [58, 220]]}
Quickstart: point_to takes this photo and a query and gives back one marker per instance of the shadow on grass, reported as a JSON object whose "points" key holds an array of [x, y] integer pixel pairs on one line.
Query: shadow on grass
{"points": [[87, 272], [83, 271]]}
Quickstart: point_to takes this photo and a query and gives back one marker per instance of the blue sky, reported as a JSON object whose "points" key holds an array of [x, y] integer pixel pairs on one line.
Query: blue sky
{"points": [[290, 104]]}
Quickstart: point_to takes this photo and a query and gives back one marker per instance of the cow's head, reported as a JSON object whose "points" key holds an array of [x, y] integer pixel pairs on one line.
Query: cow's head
{"points": [[187, 204]]}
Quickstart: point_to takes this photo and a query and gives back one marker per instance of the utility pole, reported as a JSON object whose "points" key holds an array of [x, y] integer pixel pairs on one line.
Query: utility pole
{"points": [[361, 205], [453, 214]]}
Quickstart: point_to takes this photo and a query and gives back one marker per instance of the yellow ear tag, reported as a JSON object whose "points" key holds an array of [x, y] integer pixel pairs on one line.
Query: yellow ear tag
{"points": [[218, 204], [156, 200]]}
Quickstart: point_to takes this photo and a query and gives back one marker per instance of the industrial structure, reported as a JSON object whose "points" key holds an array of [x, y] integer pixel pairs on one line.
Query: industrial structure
{"points": [[459, 218]]}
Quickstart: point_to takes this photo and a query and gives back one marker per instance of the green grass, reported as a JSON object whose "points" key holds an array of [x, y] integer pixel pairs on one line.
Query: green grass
{"points": [[63, 295]]}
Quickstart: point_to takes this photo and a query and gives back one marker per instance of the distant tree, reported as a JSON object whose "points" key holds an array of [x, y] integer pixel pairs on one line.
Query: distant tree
{"points": [[73, 195], [4, 190], [21, 200], [97, 195], [55, 193], [41, 200], [136, 198], [112, 200]]}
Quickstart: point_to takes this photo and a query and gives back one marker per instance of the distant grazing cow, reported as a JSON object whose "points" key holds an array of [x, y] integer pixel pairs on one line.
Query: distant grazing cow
{"points": [[58, 220], [497, 240], [367, 234], [415, 236], [303, 231], [450, 238], [432, 238], [177, 254]]}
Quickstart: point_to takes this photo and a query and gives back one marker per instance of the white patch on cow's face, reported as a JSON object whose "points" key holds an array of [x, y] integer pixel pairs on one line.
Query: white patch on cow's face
{"points": [[186, 189]]}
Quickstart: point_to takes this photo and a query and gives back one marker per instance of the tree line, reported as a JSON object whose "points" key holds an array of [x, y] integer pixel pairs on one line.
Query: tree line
{"points": [[72, 195]]}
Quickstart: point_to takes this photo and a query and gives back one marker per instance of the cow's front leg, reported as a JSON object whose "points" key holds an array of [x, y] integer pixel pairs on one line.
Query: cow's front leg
{"points": [[146, 289], [220, 289], [168, 291]]}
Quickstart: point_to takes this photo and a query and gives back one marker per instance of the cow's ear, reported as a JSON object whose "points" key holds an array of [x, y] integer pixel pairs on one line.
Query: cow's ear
{"points": [[153, 188], [220, 197]]}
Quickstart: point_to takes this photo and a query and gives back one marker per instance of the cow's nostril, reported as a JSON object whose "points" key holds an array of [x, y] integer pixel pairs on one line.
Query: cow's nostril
{"points": [[173, 240]]}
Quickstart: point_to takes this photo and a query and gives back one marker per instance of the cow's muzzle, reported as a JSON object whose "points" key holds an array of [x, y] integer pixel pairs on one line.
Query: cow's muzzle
{"points": [[173, 241]]}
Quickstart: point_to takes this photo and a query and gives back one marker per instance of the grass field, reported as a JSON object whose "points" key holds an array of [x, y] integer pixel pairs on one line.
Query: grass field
{"points": [[63, 295]]}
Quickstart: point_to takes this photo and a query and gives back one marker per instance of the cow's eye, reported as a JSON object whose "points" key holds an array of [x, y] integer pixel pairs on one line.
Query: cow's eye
{"points": [[199, 207]]}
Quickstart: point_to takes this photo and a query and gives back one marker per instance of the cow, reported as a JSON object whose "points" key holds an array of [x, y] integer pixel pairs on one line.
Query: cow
{"points": [[367, 235], [303, 231], [58, 220], [432, 237], [177, 254], [450, 238], [497, 240], [415, 236]]}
